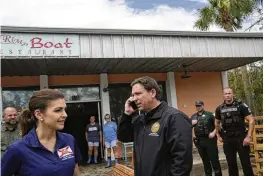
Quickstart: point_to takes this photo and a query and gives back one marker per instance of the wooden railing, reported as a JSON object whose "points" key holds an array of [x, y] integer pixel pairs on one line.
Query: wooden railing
{"points": [[257, 146]]}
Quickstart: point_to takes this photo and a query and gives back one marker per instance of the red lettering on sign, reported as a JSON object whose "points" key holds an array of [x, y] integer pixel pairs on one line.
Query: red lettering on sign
{"points": [[58, 45], [7, 39], [67, 43], [36, 41], [48, 43]]}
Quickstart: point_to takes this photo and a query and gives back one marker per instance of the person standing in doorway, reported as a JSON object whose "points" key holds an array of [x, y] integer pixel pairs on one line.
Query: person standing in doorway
{"points": [[94, 137], [9, 128], [205, 139], [110, 138], [231, 115]]}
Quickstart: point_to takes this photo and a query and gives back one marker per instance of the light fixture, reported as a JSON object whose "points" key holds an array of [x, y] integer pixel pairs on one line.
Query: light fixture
{"points": [[185, 75]]}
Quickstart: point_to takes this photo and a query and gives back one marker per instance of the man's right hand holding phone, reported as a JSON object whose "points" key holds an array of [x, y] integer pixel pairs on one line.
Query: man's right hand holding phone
{"points": [[128, 108]]}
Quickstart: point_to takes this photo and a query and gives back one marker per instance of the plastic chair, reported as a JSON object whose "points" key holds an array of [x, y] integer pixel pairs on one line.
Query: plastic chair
{"points": [[125, 146]]}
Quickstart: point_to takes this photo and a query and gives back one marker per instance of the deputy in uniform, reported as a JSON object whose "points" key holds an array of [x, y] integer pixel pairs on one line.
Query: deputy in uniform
{"points": [[205, 139], [9, 128], [231, 115]]}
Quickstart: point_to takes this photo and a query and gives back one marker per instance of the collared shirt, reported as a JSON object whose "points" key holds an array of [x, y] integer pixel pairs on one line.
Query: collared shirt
{"points": [[8, 136], [28, 156], [208, 115], [150, 114], [196, 115]]}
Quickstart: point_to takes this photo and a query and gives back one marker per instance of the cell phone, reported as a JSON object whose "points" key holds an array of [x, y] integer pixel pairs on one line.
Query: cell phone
{"points": [[133, 105]]}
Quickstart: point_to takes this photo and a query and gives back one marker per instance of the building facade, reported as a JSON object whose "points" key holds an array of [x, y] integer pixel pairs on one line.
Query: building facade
{"points": [[94, 68]]}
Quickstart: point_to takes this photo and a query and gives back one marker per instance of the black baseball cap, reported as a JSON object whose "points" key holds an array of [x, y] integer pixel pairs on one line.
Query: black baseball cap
{"points": [[199, 103]]}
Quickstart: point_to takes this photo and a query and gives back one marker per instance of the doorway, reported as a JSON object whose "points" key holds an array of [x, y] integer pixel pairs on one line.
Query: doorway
{"points": [[78, 118]]}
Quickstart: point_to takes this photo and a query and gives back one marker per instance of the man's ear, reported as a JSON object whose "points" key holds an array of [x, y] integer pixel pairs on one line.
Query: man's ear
{"points": [[153, 93]]}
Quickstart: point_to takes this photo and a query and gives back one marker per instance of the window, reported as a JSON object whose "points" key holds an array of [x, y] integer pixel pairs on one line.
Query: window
{"points": [[16, 98], [80, 93]]}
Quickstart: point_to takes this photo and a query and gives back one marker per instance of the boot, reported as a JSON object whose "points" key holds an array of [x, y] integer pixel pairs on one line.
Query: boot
{"points": [[95, 160], [109, 164], [116, 161], [89, 160]]}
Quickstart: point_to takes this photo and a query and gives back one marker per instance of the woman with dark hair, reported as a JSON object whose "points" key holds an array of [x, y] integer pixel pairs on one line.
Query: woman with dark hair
{"points": [[42, 150]]}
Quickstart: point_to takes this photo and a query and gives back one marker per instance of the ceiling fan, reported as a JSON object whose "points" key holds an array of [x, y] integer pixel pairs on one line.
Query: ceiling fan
{"points": [[185, 74]]}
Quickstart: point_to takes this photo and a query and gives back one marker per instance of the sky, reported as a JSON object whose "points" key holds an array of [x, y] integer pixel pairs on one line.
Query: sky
{"points": [[177, 15]]}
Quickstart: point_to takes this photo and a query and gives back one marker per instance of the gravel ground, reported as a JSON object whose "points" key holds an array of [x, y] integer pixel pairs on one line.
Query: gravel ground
{"points": [[100, 170]]}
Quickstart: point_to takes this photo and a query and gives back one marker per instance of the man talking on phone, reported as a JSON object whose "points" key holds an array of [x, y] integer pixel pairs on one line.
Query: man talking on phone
{"points": [[162, 135]]}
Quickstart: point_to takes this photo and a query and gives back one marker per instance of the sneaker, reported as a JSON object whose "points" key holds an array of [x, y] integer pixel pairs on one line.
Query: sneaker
{"points": [[95, 161], [109, 164], [89, 160]]}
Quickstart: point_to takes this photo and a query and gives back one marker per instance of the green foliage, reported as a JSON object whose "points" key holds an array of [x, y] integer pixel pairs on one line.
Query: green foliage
{"points": [[255, 73], [227, 14]]}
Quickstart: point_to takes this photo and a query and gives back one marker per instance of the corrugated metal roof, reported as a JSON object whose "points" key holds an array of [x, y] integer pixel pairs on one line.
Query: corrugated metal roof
{"points": [[138, 51], [129, 46], [129, 32]]}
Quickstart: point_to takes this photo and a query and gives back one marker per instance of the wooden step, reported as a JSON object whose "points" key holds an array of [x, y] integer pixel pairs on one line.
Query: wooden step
{"points": [[121, 170]]}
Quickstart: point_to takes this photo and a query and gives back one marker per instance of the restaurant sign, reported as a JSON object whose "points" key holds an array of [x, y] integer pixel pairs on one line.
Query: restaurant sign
{"points": [[44, 45]]}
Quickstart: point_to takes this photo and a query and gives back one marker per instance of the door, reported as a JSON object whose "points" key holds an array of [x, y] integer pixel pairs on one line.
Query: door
{"points": [[76, 122]]}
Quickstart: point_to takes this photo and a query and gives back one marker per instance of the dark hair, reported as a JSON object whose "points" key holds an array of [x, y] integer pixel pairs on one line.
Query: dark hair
{"points": [[39, 100], [148, 83]]}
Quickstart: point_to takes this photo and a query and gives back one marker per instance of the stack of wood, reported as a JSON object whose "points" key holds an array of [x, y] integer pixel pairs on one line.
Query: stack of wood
{"points": [[257, 146], [121, 170]]}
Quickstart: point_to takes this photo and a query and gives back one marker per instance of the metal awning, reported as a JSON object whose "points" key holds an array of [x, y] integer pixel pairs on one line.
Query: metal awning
{"points": [[80, 66], [129, 51]]}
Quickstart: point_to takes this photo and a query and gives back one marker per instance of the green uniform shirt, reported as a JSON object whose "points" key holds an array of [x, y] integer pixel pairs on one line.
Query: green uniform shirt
{"points": [[209, 117], [8, 137]]}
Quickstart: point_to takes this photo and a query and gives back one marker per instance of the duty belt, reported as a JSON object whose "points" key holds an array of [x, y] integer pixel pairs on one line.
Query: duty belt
{"points": [[232, 133], [202, 136]]}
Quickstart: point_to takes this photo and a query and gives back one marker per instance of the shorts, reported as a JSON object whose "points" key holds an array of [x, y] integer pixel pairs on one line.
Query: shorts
{"points": [[110, 144], [93, 144]]}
